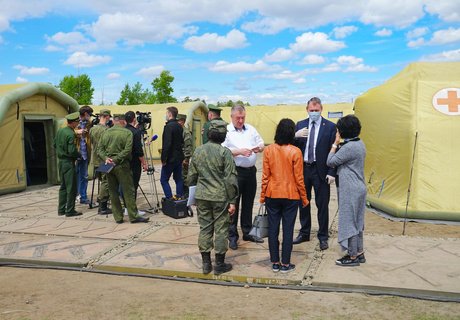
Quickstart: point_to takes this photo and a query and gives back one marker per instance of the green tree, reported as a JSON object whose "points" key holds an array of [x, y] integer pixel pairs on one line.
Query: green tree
{"points": [[135, 95], [80, 88], [162, 87]]}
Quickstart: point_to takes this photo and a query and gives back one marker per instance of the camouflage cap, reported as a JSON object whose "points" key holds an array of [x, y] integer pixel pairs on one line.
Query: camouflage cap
{"points": [[105, 112], [120, 116], [218, 125], [214, 107], [73, 117], [181, 116]]}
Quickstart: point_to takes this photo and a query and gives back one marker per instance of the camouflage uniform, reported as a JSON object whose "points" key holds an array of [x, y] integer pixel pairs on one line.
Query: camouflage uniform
{"points": [[188, 150], [95, 135], [212, 170], [206, 129], [116, 143], [67, 153]]}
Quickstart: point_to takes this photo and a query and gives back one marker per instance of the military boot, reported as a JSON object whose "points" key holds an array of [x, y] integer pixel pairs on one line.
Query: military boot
{"points": [[221, 266], [207, 265], [103, 209]]}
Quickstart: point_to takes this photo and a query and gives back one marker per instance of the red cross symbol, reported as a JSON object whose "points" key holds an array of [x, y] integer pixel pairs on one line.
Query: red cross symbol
{"points": [[452, 101]]}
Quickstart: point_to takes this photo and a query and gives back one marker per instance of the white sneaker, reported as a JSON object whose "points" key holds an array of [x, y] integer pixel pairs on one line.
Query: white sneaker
{"points": [[125, 212], [140, 212]]}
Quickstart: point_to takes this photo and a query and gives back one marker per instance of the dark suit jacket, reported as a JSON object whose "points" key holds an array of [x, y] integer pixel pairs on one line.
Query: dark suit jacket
{"points": [[325, 140], [137, 144], [173, 141]]}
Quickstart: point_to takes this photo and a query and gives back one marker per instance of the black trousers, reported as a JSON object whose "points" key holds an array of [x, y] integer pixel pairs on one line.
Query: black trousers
{"points": [[136, 168], [247, 184], [322, 195]]}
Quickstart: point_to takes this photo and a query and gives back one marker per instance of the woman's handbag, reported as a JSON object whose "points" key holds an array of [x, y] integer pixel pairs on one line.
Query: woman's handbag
{"points": [[260, 224]]}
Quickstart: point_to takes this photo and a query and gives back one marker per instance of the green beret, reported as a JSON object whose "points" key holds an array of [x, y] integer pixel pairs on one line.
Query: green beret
{"points": [[214, 108], [218, 125], [73, 117], [120, 116], [105, 112], [181, 117]]}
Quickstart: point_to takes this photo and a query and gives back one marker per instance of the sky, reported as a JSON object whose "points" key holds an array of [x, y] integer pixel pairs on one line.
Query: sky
{"points": [[259, 51]]}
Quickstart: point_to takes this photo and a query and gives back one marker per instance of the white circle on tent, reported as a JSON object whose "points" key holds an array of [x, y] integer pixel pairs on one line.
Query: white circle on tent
{"points": [[447, 101]]}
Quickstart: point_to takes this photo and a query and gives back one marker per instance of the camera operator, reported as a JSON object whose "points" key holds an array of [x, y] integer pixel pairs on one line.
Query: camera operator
{"points": [[101, 123], [137, 162]]}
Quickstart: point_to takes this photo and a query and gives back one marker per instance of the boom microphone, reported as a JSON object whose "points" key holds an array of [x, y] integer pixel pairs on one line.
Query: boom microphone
{"points": [[154, 137]]}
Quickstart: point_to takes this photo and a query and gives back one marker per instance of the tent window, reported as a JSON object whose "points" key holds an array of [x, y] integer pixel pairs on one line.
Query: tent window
{"points": [[337, 114]]}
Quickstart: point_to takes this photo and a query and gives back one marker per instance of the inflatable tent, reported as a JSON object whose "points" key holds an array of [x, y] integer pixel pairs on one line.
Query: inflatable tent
{"points": [[30, 115], [411, 126]]}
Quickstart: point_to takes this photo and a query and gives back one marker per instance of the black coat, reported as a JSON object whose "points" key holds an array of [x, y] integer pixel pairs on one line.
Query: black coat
{"points": [[173, 141]]}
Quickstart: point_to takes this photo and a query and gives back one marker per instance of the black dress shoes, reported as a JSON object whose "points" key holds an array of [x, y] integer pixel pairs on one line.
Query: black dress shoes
{"points": [[323, 245], [301, 238], [253, 239], [140, 219], [233, 244], [73, 214]]}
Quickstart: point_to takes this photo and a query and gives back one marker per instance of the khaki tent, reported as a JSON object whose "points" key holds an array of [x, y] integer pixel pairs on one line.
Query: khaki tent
{"points": [[29, 117], [411, 126]]}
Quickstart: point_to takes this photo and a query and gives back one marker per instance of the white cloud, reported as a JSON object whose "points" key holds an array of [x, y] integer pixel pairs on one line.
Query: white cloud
{"points": [[313, 59], [83, 60], [343, 32], [453, 55], [360, 68], [150, 72], [299, 80], [69, 38], [21, 80], [113, 76], [446, 36], [384, 32], [333, 67], [350, 60], [317, 42], [417, 33], [224, 66], [52, 48], [34, 71], [267, 26], [447, 10], [391, 13], [416, 43], [212, 42], [280, 54]]}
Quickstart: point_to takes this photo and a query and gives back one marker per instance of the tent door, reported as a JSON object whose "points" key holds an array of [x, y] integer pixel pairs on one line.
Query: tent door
{"points": [[39, 152], [196, 133]]}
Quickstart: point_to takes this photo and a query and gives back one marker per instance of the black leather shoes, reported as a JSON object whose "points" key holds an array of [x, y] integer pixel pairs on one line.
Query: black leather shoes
{"points": [[323, 245], [233, 244], [140, 219], [73, 214], [120, 221], [301, 238], [253, 239]]}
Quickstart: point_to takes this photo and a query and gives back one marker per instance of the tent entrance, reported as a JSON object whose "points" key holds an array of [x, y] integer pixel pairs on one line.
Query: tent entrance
{"points": [[39, 154]]}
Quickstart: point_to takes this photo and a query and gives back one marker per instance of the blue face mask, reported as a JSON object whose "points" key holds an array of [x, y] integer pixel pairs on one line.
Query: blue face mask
{"points": [[314, 116]]}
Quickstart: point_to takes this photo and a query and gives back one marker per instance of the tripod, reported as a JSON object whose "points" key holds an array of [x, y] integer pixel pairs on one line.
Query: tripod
{"points": [[150, 172]]}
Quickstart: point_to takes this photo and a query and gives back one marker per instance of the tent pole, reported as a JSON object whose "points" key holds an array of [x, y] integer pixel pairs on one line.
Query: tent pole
{"points": [[410, 183]]}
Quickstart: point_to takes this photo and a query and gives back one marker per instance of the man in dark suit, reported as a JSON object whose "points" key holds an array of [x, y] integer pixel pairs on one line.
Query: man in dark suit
{"points": [[315, 136]]}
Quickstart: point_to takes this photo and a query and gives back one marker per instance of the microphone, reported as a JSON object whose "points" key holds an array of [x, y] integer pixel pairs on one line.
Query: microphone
{"points": [[154, 137]]}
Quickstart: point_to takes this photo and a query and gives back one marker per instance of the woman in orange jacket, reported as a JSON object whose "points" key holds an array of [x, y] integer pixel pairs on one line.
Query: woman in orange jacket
{"points": [[282, 189]]}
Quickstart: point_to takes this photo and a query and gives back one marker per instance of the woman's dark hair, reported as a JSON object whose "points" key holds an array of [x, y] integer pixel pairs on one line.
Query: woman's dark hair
{"points": [[349, 127], [216, 136], [285, 132]]}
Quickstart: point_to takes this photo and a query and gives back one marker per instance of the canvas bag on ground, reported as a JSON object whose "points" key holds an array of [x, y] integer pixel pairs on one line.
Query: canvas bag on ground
{"points": [[260, 224]]}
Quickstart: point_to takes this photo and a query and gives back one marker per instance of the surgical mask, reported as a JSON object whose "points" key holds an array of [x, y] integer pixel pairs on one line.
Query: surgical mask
{"points": [[166, 117], [314, 116]]}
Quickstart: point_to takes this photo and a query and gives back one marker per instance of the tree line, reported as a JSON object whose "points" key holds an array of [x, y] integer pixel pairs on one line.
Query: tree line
{"points": [[81, 89]]}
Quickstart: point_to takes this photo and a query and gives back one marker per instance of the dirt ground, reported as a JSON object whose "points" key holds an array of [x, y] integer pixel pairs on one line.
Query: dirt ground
{"points": [[49, 294]]}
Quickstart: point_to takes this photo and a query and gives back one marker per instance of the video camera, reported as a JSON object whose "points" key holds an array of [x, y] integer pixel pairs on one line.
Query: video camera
{"points": [[144, 119], [96, 121]]}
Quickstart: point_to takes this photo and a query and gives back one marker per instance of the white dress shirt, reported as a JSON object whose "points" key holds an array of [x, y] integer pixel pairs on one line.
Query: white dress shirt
{"points": [[317, 128], [248, 138]]}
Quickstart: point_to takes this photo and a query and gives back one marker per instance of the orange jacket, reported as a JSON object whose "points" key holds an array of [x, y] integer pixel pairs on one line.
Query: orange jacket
{"points": [[282, 175]]}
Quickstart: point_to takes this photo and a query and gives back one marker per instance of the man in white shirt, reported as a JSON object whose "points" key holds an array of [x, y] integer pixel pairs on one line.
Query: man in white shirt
{"points": [[244, 142]]}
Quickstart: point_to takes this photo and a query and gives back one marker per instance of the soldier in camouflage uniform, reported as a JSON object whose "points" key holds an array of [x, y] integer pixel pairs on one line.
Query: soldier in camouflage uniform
{"points": [[67, 153], [187, 149], [213, 114], [115, 147], [95, 134], [212, 170]]}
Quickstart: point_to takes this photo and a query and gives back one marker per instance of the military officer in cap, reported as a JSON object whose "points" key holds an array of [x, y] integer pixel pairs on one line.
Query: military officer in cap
{"points": [[115, 148], [67, 153], [95, 134], [212, 170], [187, 149], [213, 114]]}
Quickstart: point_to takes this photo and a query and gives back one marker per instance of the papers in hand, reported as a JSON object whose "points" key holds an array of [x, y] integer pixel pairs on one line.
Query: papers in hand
{"points": [[191, 196], [105, 168]]}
